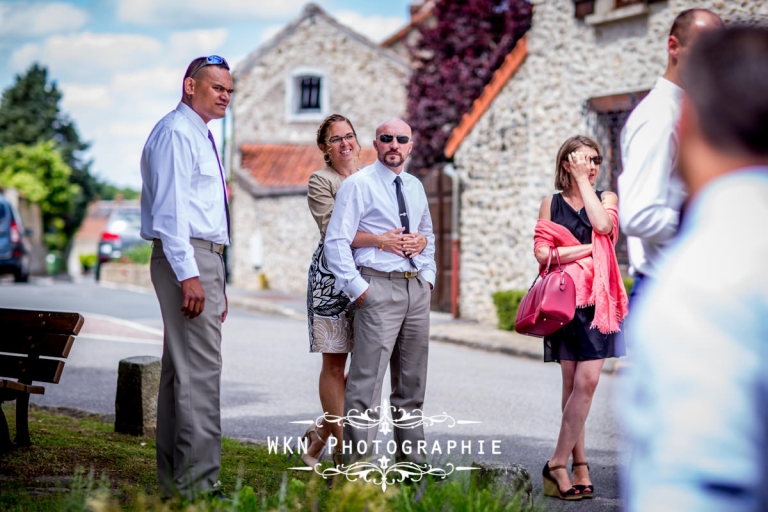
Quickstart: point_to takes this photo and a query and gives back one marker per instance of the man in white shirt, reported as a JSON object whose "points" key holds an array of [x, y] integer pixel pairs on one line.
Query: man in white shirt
{"points": [[393, 294], [184, 212], [695, 406], [650, 188]]}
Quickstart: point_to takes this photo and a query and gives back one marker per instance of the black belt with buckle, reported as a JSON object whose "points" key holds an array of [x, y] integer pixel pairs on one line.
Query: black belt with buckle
{"points": [[367, 271]]}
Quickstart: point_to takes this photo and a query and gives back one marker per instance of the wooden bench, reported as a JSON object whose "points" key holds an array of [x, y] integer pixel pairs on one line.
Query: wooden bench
{"points": [[29, 342]]}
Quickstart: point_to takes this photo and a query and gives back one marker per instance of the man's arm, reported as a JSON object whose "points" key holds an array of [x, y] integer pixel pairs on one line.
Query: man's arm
{"points": [[648, 157], [342, 229], [425, 261], [171, 164]]}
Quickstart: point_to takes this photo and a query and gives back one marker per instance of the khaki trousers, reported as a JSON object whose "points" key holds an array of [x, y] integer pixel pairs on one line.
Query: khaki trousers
{"points": [[391, 327], [188, 438]]}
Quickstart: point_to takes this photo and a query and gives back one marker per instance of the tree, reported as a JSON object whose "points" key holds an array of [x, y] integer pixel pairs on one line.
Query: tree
{"points": [[42, 176], [456, 56], [29, 115]]}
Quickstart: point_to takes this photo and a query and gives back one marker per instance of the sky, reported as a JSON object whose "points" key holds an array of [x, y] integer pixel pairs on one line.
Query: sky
{"points": [[120, 63]]}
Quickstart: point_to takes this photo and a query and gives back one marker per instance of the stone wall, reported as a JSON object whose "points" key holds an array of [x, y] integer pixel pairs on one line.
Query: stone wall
{"points": [[288, 234], [365, 84], [506, 163]]}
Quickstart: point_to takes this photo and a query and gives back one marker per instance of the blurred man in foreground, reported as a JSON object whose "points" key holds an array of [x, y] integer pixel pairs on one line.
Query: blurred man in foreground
{"points": [[696, 415]]}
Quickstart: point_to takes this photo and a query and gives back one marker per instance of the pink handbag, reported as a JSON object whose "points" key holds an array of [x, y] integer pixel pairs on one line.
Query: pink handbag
{"points": [[549, 303]]}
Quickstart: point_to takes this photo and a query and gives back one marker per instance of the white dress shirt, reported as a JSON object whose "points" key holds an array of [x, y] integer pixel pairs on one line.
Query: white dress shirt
{"points": [[182, 195], [694, 403], [651, 192], [367, 201]]}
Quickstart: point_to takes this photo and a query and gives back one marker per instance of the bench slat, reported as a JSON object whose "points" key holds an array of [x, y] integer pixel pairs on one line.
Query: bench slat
{"points": [[9, 387], [41, 321], [49, 345], [43, 370]]}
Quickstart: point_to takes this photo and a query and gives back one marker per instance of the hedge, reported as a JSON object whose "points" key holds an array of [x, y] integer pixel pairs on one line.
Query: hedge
{"points": [[506, 303]]}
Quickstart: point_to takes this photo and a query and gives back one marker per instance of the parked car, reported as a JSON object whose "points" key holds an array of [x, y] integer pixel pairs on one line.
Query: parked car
{"points": [[14, 243], [122, 232]]}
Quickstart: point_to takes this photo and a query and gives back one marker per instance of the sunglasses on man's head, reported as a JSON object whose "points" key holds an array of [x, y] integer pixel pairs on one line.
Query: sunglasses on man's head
{"points": [[212, 60], [401, 139]]}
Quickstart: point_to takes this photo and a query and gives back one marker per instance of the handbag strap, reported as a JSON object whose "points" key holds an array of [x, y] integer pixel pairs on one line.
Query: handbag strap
{"points": [[549, 264]]}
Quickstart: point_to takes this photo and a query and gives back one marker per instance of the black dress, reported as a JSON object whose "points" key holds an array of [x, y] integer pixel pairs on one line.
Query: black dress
{"points": [[576, 341]]}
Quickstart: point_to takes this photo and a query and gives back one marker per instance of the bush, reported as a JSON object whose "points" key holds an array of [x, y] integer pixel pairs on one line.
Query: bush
{"points": [[628, 282], [506, 303], [88, 261], [140, 254]]}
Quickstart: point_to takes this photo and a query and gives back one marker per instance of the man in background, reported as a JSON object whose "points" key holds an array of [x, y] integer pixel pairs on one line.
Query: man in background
{"points": [[184, 212], [650, 187]]}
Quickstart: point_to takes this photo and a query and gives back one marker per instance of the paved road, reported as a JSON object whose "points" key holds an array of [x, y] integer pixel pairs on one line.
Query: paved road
{"points": [[269, 379]]}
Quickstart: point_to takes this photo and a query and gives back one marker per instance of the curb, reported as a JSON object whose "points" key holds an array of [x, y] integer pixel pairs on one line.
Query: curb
{"points": [[492, 339]]}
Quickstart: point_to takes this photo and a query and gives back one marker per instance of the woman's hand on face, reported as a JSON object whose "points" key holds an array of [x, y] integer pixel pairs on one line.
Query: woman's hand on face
{"points": [[413, 244], [580, 166], [392, 241]]}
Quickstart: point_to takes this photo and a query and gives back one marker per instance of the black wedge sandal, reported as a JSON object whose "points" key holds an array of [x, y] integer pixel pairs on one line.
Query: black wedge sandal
{"points": [[587, 491], [551, 488]]}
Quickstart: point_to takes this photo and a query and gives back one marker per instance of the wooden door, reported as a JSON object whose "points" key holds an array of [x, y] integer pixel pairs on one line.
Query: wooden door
{"points": [[439, 194]]}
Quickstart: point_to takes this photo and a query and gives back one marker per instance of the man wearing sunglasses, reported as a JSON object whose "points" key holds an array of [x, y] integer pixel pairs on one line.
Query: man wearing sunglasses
{"points": [[392, 293], [184, 213]]}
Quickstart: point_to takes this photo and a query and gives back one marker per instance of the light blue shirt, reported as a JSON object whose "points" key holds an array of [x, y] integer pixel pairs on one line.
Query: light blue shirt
{"points": [[367, 201], [182, 194], [694, 402]]}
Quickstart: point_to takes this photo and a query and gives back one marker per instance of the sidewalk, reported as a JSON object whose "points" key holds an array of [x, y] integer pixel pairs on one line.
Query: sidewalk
{"points": [[443, 327]]}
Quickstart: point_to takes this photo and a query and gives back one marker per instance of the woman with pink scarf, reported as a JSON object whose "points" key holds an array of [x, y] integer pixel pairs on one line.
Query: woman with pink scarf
{"points": [[583, 225]]}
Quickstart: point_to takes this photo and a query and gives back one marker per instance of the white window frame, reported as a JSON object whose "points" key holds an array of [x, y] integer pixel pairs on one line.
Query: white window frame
{"points": [[293, 95]]}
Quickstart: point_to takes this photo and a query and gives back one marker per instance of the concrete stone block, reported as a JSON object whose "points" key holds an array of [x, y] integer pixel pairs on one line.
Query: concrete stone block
{"points": [[510, 480], [138, 382]]}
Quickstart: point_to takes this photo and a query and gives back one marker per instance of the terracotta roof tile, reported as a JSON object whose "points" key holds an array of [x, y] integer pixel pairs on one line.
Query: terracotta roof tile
{"points": [[400, 34], [287, 165], [502, 75]]}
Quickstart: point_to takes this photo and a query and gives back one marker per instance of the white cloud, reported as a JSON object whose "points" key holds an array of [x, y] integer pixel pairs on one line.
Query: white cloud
{"points": [[185, 46], [198, 12], [27, 20], [84, 96], [376, 28], [271, 31], [86, 54], [148, 83]]}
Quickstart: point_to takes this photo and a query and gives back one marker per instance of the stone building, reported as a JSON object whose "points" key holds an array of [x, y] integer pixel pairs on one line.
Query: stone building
{"points": [[580, 69], [314, 67]]}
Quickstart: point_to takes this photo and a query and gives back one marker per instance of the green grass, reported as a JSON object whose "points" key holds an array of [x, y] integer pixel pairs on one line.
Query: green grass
{"points": [[106, 471]]}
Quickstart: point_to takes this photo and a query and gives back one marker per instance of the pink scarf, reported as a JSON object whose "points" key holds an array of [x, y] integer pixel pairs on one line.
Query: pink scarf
{"points": [[597, 278]]}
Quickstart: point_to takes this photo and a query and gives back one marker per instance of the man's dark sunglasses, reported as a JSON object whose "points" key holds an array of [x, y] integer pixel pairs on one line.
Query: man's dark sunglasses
{"points": [[401, 139], [213, 60]]}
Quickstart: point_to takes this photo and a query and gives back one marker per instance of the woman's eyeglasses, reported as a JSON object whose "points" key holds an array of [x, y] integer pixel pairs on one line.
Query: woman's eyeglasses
{"points": [[387, 139], [337, 140], [597, 159], [213, 60]]}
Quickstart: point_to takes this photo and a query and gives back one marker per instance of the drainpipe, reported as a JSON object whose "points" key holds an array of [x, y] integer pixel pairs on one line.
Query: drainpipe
{"points": [[450, 171]]}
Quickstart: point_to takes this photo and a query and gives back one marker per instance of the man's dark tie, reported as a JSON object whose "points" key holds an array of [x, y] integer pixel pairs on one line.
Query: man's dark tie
{"points": [[403, 212], [221, 173]]}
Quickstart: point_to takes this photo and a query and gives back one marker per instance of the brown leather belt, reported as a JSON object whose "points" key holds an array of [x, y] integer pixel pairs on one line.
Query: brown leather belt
{"points": [[197, 242], [366, 271]]}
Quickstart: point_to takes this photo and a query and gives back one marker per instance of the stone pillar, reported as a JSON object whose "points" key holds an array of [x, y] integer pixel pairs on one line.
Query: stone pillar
{"points": [[138, 382]]}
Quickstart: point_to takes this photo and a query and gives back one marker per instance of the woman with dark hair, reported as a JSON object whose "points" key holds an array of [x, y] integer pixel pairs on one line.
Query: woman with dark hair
{"points": [[582, 225], [330, 312]]}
